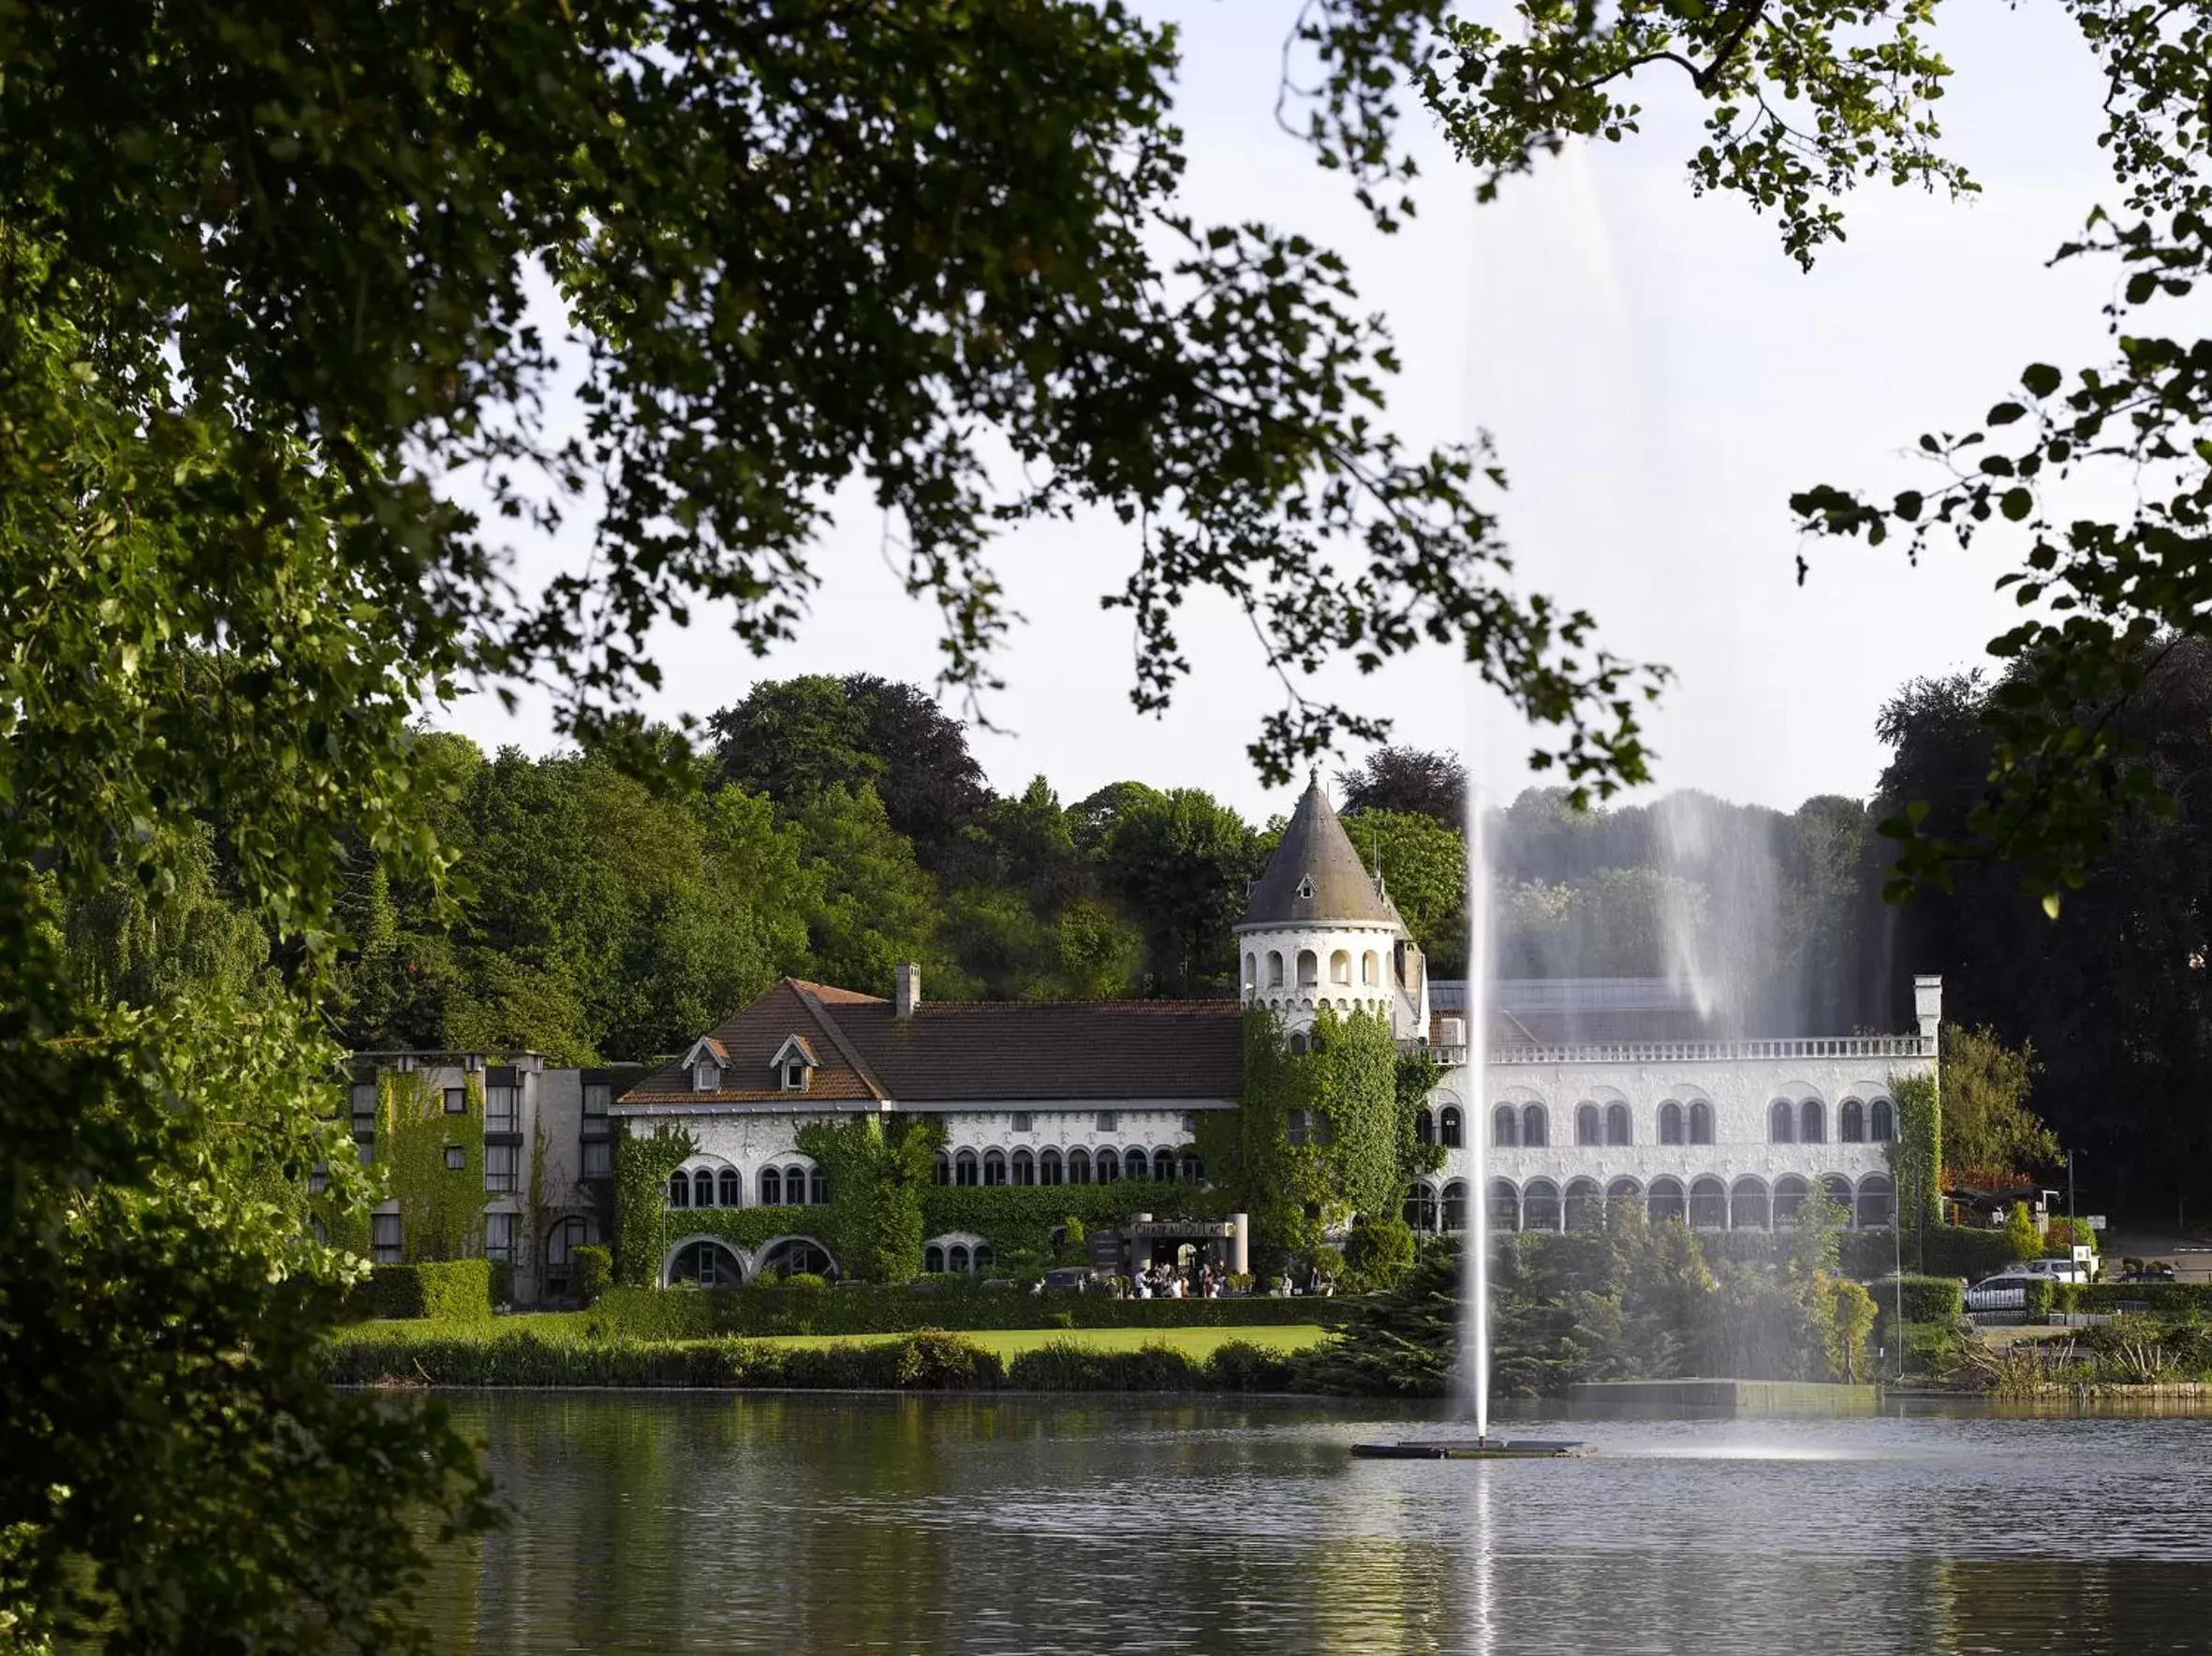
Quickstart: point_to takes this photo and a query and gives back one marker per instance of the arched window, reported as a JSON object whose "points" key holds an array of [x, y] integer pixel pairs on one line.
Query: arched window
{"points": [[1025, 1168], [1837, 1190], [1789, 1197], [702, 1187], [1371, 968], [1621, 1195], [708, 1263], [1163, 1165], [561, 1241], [1708, 1204], [982, 1256], [1505, 1205], [1454, 1205], [1505, 1126], [995, 1167], [1297, 1042], [1669, 1123], [679, 1189], [1079, 1166], [1274, 969], [943, 1168], [1425, 1127], [1878, 1202], [1340, 966], [1587, 1129], [1663, 1201], [1782, 1123], [1136, 1164], [1884, 1120], [1851, 1122], [1106, 1166], [1584, 1206], [733, 1188], [1421, 1208], [1540, 1205], [1747, 1205], [965, 1169], [1534, 1134], [1251, 972], [956, 1258], [1812, 1123], [1448, 1131], [772, 1187], [1700, 1122], [1048, 1167], [1309, 968], [933, 1258], [818, 1188], [1617, 1124], [794, 1187]]}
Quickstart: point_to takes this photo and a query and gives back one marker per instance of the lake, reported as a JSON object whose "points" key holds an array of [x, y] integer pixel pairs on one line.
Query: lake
{"points": [[665, 1522]]}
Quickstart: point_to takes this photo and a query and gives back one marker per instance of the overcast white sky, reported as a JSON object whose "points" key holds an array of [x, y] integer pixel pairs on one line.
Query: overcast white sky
{"points": [[1658, 376]]}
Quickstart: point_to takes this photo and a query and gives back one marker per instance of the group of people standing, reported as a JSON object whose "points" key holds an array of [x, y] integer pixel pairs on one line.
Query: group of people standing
{"points": [[1168, 1280]]}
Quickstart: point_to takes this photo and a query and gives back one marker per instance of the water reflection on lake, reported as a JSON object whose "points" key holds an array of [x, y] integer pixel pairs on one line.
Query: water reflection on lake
{"points": [[663, 1523]]}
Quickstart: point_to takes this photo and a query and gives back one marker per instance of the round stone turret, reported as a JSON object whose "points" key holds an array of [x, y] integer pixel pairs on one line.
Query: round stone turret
{"points": [[1321, 930]]}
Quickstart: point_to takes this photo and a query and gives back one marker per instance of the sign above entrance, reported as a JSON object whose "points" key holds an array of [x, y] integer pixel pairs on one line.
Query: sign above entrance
{"points": [[1182, 1230]]}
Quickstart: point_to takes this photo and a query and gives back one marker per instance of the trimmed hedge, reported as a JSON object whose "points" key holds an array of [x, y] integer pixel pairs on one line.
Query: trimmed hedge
{"points": [[1963, 1251], [1923, 1299], [453, 1290], [2172, 1301], [925, 1360], [681, 1313]]}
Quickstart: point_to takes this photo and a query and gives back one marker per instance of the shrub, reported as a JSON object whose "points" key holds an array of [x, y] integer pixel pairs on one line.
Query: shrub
{"points": [[1064, 1367], [930, 1359], [2040, 1299], [456, 1290], [806, 1281], [1239, 1365], [2174, 1301], [1929, 1350], [1377, 1252], [943, 1302], [595, 1272], [503, 1282], [2021, 1236], [1963, 1251]]}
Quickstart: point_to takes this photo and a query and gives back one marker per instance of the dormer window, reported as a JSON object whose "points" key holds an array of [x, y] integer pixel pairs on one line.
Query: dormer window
{"points": [[1305, 887], [706, 1061], [795, 1064]]}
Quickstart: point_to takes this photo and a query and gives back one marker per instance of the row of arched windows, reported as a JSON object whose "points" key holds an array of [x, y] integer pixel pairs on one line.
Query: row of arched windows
{"points": [[1807, 1123], [1529, 1126], [1704, 1203], [1077, 1166], [778, 1186], [1308, 967], [956, 1256]]}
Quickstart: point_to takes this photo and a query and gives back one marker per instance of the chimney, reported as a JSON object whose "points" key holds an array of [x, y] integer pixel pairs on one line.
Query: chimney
{"points": [[1927, 1006], [908, 994]]}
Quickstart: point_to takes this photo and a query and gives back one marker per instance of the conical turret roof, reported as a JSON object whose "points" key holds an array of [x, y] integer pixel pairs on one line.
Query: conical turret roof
{"points": [[1316, 876]]}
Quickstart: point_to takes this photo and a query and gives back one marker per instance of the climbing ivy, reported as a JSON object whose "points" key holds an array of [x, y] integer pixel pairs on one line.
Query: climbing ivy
{"points": [[1417, 1077], [877, 1169], [1318, 1135], [1020, 1218], [441, 1207], [641, 1167], [1916, 1154]]}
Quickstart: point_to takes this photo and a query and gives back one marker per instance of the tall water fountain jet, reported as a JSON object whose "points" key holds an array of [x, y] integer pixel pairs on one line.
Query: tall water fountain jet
{"points": [[1474, 1321]]}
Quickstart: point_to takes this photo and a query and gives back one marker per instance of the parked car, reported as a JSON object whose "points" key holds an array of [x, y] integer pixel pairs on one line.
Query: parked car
{"points": [[2007, 1292], [2157, 1270], [1068, 1279], [2056, 1270]]}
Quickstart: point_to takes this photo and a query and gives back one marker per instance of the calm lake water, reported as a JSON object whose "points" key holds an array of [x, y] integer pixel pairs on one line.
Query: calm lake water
{"points": [[665, 1523]]}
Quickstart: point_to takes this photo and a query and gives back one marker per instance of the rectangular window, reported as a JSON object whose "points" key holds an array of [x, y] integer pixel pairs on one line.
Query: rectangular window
{"points": [[1107, 1119], [318, 1180], [597, 1095], [499, 1166], [1022, 1121], [503, 1109], [599, 1158], [364, 1107], [499, 1237], [456, 1158], [366, 1149], [384, 1238], [456, 1100]]}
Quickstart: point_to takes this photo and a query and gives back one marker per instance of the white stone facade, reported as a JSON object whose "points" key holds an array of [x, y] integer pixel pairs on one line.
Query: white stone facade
{"points": [[1721, 1098], [1351, 967]]}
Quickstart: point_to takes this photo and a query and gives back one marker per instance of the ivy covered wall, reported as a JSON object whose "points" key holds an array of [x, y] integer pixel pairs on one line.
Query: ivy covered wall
{"points": [[441, 1206]]}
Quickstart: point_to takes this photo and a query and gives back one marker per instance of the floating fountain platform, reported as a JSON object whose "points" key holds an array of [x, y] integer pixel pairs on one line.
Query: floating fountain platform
{"points": [[1471, 1449]]}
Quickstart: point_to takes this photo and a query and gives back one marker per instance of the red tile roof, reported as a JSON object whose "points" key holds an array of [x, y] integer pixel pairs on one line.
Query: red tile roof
{"points": [[954, 1052]]}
